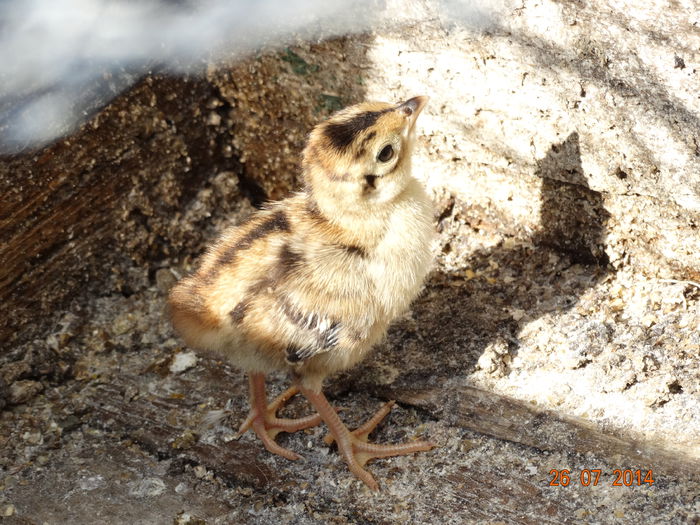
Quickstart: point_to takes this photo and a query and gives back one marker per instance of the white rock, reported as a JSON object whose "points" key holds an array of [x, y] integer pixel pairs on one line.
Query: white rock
{"points": [[183, 361], [147, 488]]}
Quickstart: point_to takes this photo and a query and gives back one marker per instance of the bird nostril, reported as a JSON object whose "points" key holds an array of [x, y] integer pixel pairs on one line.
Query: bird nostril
{"points": [[413, 105]]}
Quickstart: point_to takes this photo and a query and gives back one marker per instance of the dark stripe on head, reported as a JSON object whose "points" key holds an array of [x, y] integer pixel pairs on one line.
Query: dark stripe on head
{"points": [[369, 137], [363, 146], [342, 134]]}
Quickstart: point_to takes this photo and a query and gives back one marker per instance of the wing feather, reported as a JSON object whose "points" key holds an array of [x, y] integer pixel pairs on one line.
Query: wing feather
{"points": [[315, 332]]}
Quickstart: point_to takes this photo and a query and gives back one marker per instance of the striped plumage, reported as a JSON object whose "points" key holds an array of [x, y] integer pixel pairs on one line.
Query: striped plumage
{"points": [[311, 283]]}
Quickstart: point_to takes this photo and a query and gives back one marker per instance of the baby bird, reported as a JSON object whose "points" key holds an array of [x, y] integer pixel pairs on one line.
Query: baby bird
{"points": [[309, 284]]}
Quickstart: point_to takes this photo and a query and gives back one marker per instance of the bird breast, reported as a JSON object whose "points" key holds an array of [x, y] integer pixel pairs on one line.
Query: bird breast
{"points": [[403, 256]]}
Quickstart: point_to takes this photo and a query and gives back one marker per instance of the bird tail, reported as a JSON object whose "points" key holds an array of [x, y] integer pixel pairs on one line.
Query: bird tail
{"points": [[191, 317]]}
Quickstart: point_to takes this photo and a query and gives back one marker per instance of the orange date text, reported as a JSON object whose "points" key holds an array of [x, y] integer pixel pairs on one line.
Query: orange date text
{"points": [[595, 476]]}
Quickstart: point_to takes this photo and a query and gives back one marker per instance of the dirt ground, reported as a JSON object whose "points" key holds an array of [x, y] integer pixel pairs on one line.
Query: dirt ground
{"points": [[519, 366]]}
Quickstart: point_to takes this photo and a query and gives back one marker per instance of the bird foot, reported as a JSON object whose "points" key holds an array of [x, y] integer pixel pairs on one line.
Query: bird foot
{"points": [[263, 420], [357, 452], [353, 445], [363, 432]]}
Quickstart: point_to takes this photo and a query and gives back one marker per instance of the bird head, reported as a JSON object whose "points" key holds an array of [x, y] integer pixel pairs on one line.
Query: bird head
{"points": [[360, 158]]}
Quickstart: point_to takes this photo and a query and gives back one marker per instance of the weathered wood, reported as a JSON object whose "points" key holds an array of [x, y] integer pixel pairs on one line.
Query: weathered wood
{"points": [[76, 213], [472, 485], [512, 420], [145, 421]]}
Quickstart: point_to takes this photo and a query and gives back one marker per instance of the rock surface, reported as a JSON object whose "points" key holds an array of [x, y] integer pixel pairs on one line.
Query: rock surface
{"points": [[599, 97]]}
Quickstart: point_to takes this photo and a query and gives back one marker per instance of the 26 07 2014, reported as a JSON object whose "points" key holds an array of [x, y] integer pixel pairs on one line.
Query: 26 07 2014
{"points": [[592, 477]]}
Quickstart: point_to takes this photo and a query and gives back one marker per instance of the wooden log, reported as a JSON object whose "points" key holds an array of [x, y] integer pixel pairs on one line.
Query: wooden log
{"points": [[512, 420], [76, 214]]}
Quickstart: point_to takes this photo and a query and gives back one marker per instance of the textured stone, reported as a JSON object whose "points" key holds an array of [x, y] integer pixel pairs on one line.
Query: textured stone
{"points": [[578, 103], [23, 391]]}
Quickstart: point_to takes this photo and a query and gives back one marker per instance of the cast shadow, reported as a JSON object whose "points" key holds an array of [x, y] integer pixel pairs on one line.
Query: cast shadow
{"points": [[457, 317]]}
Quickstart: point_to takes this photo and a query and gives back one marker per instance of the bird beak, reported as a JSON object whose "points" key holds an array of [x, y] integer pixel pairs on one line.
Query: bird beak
{"points": [[412, 108]]}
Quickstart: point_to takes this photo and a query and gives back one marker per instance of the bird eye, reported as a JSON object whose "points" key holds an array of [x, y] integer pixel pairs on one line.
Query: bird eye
{"points": [[386, 154]]}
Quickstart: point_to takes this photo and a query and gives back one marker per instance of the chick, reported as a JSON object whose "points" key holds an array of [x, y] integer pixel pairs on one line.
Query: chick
{"points": [[309, 284]]}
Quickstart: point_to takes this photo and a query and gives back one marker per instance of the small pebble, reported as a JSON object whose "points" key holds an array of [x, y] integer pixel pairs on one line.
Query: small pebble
{"points": [[122, 324], [214, 119], [183, 361], [23, 391], [165, 280], [91, 483], [182, 488], [147, 487]]}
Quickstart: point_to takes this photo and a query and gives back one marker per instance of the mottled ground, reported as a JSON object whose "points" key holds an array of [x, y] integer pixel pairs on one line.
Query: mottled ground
{"points": [[519, 364]]}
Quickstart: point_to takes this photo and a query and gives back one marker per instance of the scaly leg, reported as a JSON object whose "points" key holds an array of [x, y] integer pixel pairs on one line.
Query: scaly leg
{"points": [[263, 419], [353, 446]]}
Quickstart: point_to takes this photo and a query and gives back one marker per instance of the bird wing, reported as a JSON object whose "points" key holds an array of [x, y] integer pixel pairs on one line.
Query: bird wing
{"points": [[325, 300], [313, 333]]}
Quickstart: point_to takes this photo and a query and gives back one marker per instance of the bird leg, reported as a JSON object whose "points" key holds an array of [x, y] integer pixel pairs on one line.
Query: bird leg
{"points": [[353, 446], [263, 419]]}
